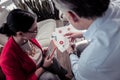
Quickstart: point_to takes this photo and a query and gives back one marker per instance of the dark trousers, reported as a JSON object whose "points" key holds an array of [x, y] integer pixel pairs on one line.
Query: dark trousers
{"points": [[56, 68]]}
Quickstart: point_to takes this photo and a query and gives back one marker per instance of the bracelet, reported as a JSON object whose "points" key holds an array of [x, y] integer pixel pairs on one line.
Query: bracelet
{"points": [[74, 52]]}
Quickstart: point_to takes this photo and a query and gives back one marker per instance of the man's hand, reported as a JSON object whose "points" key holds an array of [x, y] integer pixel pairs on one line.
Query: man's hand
{"points": [[74, 35]]}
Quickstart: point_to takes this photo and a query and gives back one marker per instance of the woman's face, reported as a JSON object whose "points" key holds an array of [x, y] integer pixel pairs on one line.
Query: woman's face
{"points": [[32, 32]]}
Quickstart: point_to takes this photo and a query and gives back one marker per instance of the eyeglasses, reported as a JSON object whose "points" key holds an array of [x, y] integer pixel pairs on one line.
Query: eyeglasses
{"points": [[33, 31]]}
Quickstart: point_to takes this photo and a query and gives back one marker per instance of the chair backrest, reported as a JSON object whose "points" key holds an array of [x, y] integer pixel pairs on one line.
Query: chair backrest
{"points": [[3, 39], [45, 29], [3, 15]]}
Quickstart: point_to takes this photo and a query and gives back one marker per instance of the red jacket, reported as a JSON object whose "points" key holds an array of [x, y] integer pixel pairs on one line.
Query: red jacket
{"points": [[15, 63]]}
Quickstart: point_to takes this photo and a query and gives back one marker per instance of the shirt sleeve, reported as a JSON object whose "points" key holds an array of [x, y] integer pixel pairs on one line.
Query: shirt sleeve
{"points": [[115, 2], [13, 73], [87, 66], [74, 62]]}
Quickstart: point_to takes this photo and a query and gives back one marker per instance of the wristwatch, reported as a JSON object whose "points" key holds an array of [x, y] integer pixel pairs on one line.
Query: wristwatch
{"points": [[70, 53], [74, 52]]}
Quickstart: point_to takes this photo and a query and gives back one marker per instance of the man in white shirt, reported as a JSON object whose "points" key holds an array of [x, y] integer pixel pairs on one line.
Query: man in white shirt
{"points": [[100, 60]]}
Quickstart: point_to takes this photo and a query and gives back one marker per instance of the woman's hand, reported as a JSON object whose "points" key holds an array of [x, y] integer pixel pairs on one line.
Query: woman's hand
{"points": [[45, 51], [47, 62]]}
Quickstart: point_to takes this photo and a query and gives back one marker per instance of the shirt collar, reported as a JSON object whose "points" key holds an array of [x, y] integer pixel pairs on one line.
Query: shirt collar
{"points": [[92, 29], [97, 23]]}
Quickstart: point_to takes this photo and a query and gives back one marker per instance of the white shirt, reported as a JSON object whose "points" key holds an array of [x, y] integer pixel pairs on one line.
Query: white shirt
{"points": [[100, 60], [33, 52]]}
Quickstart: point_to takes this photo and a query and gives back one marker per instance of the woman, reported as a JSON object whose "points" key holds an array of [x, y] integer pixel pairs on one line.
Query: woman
{"points": [[22, 57]]}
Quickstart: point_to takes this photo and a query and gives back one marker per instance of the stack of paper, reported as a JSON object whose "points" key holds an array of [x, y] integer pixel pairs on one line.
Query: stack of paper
{"points": [[59, 39]]}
